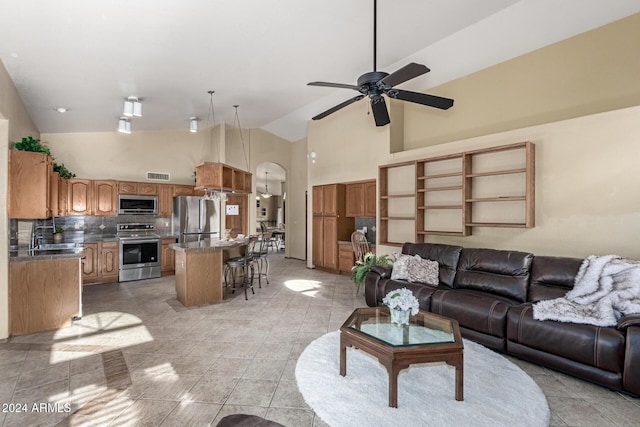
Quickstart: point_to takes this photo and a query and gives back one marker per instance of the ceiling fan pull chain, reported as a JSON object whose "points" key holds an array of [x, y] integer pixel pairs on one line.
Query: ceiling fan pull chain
{"points": [[375, 33]]}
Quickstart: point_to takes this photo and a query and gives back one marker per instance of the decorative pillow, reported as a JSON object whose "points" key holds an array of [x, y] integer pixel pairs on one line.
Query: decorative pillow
{"points": [[400, 267], [423, 271]]}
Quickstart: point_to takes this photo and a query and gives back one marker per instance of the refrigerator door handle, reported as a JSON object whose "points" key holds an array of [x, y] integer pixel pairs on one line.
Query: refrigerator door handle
{"points": [[203, 209]]}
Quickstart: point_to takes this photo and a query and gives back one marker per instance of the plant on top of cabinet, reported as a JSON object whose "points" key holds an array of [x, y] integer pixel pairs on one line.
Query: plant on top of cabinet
{"points": [[31, 144], [63, 171]]}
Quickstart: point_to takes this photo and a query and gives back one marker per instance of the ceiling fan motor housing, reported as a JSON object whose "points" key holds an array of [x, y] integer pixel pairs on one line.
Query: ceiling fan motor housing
{"points": [[368, 83]]}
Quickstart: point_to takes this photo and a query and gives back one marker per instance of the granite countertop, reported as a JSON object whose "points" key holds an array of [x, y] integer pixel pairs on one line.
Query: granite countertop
{"points": [[26, 255], [209, 245]]}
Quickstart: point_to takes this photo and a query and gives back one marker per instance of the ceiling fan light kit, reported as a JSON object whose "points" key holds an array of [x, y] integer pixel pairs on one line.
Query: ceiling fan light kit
{"points": [[375, 84]]}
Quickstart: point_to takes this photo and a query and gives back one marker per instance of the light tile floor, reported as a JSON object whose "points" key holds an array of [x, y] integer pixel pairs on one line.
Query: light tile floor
{"points": [[138, 357]]}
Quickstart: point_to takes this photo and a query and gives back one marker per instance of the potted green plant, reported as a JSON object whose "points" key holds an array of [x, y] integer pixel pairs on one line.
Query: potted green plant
{"points": [[360, 270], [57, 234], [63, 171], [31, 144]]}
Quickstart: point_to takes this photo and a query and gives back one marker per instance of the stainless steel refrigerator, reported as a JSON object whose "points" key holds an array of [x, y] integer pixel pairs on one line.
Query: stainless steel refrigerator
{"points": [[195, 218]]}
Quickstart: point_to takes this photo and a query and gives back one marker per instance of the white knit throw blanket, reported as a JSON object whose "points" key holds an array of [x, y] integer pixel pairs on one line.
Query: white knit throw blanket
{"points": [[605, 289]]}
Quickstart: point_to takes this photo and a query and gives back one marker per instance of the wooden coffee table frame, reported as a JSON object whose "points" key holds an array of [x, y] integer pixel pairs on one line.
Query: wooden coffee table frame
{"points": [[397, 358]]}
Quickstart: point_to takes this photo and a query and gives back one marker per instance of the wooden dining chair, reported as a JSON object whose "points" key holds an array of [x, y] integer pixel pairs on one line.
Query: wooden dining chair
{"points": [[360, 245]]}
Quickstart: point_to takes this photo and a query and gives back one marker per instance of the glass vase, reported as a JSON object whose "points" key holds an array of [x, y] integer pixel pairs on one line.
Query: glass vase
{"points": [[400, 317]]}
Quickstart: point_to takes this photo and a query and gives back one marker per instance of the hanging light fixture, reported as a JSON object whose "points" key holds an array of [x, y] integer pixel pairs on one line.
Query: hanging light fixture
{"points": [[266, 193], [132, 107], [124, 125], [193, 124]]}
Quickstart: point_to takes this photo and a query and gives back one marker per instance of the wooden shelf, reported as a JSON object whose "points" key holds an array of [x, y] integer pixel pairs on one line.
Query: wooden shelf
{"points": [[498, 199], [440, 207], [441, 175], [398, 218], [497, 224], [397, 196], [458, 173], [494, 173], [426, 190]]}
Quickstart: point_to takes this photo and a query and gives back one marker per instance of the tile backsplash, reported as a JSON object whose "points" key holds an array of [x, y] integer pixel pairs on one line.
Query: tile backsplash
{"points": [[370, 223]]}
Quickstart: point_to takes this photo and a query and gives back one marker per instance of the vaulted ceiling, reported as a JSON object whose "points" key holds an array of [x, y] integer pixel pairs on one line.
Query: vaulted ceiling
{"points": [[89, 55]]}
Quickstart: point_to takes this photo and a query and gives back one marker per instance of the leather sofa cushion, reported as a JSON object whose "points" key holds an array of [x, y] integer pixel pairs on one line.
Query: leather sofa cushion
{"points": [[552, 277], [591, 345], [420, 290], [502, 273], [446, 255], [473, 310]]}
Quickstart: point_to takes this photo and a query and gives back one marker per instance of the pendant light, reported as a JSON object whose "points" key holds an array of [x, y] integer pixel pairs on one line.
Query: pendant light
{"points": [[266, 193]]}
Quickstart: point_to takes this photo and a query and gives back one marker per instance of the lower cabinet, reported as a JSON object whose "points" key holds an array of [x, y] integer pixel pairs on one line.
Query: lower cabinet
{"points": [[100, 264], [346, 258], [43, 294], [167, 257]]}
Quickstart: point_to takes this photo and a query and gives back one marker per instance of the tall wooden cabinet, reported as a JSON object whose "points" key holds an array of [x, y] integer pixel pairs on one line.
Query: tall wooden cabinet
{"points": [[29, 187], [330, 224]]}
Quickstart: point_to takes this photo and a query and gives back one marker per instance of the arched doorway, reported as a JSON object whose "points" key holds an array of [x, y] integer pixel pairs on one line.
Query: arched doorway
{"points": [[271, 196]]}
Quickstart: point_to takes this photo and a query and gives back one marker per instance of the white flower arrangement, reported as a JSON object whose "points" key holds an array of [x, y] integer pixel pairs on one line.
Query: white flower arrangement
{"points": [[402, 299]]}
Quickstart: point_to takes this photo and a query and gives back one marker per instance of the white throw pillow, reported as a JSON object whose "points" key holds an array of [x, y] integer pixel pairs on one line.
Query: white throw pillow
{"points": [[400, 266], [423, 271]]}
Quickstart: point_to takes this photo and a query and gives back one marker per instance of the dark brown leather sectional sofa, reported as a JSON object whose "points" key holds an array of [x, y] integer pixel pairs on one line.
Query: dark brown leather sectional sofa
{"points": [[491, 292]]}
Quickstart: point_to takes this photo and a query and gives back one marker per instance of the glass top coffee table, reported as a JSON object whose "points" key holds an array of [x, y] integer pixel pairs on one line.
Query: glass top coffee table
{"points": [[428, 338]]}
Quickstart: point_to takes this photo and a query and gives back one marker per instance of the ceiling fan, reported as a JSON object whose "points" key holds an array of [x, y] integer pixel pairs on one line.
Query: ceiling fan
{"points": [[376, 83]]}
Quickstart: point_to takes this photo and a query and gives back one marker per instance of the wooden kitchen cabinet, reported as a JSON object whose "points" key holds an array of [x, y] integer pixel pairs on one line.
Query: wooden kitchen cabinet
{"points": [[361, 199], [167, 257], [108, 261], [92, 197], [183, 190], [29, 187], [143, 188], [101, 262], [165, 199], [105, 198], [370, 199], [43, 294], [330, 224], [346, 258], [90, 270]]}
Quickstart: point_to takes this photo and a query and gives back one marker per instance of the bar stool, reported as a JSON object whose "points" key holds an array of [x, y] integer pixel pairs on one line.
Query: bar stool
{"points": [[242, 264], [260, 256]]}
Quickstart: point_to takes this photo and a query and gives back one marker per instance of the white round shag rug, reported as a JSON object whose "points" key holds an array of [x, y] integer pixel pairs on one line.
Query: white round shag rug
{"points": [[496, 392]]}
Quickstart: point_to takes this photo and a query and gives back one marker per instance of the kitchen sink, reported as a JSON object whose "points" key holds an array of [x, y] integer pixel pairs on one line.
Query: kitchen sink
{"points": [[56, 246]]}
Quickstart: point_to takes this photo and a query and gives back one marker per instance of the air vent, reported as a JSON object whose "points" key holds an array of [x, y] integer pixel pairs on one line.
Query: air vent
{"points": [[158, 176]]}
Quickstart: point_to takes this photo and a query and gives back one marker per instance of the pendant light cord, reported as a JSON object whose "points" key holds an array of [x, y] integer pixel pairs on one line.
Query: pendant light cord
{"points": [[244, 150], [211, 126]]}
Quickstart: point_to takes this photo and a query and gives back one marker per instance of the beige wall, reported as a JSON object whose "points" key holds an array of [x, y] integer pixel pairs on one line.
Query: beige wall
{"points": [[15, 123], [593, 72], [587, 191], [296, 197]]}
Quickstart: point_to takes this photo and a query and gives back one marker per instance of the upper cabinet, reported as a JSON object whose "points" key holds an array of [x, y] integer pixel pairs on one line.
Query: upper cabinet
{"points": [[92, 197], [30, 177], [218, 176], [361, 199], [144, 188]]}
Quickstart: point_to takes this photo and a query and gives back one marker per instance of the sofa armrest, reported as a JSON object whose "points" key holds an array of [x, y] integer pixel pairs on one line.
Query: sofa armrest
{"points": [[383, 272], [631, 374], [628, 320]]}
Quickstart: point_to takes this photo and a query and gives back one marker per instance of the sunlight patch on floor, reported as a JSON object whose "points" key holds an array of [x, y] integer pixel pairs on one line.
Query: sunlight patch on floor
{"points": [[306, 287]]}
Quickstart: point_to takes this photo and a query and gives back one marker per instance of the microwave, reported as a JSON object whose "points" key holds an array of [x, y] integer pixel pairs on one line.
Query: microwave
{"points": [[129, 204]]}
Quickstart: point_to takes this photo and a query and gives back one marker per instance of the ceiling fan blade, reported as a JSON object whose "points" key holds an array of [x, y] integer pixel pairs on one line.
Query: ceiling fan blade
{"points": [[405, 73], [338, 107], [380, 113], [421, 98], [338, 85]]}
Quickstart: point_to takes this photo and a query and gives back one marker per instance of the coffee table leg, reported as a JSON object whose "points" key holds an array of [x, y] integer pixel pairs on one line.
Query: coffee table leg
{"points": [[459, 380], [393, 388], [343, 357]]}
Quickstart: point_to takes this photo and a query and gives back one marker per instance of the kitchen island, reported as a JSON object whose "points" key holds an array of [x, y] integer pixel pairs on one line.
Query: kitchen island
{"points": [[199, 269], [45, 290]]}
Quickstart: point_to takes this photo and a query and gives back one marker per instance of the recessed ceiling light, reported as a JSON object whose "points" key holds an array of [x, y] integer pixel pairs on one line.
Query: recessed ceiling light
{"points": [[62, 110]]}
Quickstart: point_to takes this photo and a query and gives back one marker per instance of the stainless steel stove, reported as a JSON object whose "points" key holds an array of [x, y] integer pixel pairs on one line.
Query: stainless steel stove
{"points": [[139, 252]]}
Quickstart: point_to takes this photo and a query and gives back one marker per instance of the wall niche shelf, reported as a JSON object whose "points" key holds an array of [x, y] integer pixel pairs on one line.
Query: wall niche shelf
{"points": [[490, 187]]}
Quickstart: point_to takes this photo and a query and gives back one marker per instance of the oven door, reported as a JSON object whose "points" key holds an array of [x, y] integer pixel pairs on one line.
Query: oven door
{"points": [[139, 252]]}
